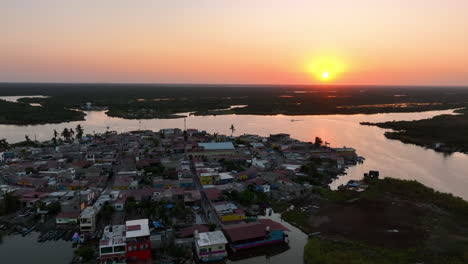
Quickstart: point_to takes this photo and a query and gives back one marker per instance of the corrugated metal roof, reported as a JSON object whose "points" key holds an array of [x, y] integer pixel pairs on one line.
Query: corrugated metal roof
{"points": [[211, 238], [217, 146]]}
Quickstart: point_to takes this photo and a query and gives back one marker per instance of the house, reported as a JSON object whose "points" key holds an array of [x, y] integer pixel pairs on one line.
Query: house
{"points": [[67, 218], [225, 177], [228, 212], [112, 246], [249, 235], [210, 246], [209, 178], [88, 219], [138, 241]]}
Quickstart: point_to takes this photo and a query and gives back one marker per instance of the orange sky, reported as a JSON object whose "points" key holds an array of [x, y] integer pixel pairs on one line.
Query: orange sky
{"points": [[394, 42]]}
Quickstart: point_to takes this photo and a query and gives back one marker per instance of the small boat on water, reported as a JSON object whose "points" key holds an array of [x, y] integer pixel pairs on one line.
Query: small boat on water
{"points": [[27, 231]]}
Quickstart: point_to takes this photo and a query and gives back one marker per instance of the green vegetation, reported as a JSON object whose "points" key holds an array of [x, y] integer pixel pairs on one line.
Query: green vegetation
{"points": [[328, 251], [247, 197], [24, 114], [87, 253], [231, 165], [299, 219], [9, 204], [392, 221], [451, 130], [167, 101]]}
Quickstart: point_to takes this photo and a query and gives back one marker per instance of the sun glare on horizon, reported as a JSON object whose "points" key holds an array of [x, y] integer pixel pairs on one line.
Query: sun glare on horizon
{"points": [[325, 69]]}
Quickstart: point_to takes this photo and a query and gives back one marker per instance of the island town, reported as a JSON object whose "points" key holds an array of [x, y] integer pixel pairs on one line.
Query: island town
{"points": [[142, 196]]}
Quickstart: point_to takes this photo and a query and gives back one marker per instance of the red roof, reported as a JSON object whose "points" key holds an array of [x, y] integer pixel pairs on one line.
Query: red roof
{"points": [[73, 215], [212, 193], [240, 232], [273, 225], [133, 227], [188, 231]]}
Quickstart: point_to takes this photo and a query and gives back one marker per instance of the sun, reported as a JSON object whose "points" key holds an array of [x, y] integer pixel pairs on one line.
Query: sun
{"points": [[325, 68]]}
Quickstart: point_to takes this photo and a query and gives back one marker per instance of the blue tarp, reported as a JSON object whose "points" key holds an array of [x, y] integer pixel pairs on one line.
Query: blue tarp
{"points": [[157, 224]]}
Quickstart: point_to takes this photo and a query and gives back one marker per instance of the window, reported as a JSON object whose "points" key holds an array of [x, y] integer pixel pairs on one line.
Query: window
{"points": [[202, 250], [143, 246], [119, 249], [106, 250], [132, 248], [220, 247]]}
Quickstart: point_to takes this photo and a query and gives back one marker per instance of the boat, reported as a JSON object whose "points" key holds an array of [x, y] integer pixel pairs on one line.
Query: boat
{"points": [[27, 231]]}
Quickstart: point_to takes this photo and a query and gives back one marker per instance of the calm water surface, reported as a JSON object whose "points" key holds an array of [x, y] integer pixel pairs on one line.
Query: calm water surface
{"points": [[25, 250]]}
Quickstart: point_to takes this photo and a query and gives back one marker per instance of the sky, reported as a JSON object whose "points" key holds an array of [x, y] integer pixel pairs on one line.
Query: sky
{"points": [[368, 42]]}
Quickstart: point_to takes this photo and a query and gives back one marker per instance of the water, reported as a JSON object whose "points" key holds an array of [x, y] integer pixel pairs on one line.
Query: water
{"points": [[25, 250], [392, 158], [14, 99]]}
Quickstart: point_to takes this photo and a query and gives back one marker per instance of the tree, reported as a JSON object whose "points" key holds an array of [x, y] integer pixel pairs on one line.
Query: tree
{"points": [[26, 137], [87, 253], [72, 133], [232, 129], [318, 141], [56, 134], [66, 134], [106, 212], [10, 203], [79, 131], [4, 144]]}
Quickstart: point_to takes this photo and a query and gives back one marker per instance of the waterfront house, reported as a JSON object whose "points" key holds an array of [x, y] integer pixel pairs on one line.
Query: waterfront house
{"points": [[112, 246], [67, 218], [210, 246], [88, 219], [249, 235], [138, 241]]}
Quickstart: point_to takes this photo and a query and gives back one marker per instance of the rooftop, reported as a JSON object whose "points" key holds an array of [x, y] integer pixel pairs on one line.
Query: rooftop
{"points": [[217, 146], [137, 228], [211, 238]]}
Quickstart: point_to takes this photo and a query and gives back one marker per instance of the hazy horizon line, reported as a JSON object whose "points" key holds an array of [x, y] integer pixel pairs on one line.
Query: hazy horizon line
{"points": [[234, 84]]}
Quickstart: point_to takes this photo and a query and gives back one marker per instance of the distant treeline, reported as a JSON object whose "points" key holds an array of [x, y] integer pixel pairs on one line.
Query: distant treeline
{"points": [[164, 101], [446, 133]]}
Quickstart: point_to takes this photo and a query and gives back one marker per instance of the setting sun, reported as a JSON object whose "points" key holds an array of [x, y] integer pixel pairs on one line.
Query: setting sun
{"points": [[326, 68]]}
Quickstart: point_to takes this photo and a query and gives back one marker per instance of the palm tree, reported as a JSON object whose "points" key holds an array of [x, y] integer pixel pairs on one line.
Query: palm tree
{"points": [[79, 131], [4, 144], [72, 133], [66, 134], [232, 129]]}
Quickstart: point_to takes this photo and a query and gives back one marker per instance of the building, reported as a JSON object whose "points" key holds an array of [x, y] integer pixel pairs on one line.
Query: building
{"points": [[347, 153], [210, 246], [138, 240], [228, 212], [67, 218], [88, 219], [112, 246], [209, 178], [249, 235]]}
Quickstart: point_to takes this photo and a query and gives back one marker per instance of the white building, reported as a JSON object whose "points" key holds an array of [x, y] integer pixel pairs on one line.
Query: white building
{"points": [[88, 219], [112, 246], [210, 246]]}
